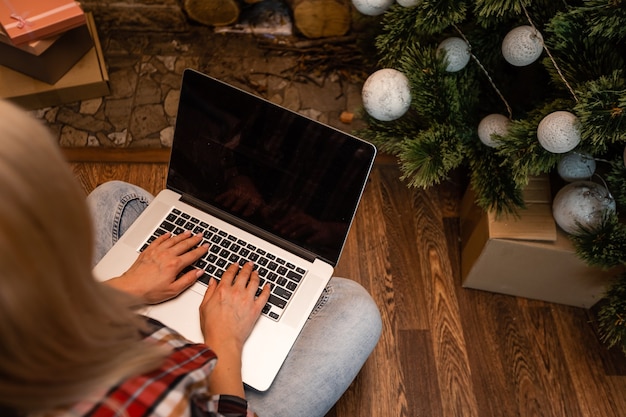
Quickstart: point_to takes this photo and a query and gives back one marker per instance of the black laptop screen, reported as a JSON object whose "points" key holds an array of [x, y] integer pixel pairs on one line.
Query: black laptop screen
{"points": [[275, 169]]}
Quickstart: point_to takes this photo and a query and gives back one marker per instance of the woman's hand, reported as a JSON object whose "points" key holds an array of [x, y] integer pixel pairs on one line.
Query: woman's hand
{"points": [[228, 313], [153, 276]]}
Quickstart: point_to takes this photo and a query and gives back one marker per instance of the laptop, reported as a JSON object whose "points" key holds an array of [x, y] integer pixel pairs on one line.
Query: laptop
{"points": [[261, 183]]}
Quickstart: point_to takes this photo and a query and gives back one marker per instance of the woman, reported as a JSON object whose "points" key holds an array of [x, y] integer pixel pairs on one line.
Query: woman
{"points": [[73, 346]]}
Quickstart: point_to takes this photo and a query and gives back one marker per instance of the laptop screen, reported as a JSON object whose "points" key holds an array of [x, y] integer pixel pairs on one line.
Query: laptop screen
{"points": [[283, 173]]}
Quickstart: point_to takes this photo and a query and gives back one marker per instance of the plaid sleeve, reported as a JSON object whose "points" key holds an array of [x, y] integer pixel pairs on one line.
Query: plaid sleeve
{"points": [[177, 389]]}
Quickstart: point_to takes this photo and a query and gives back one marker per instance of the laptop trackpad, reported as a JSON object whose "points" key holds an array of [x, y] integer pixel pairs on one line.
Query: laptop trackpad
{"points": [[185, 305]]}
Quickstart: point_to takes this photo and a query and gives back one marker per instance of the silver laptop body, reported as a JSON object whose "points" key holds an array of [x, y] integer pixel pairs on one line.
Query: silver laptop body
{"points": [[306, 178]]}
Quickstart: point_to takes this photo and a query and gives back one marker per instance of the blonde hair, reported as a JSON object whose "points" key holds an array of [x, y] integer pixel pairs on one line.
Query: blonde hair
{"points": [[63, 335]]}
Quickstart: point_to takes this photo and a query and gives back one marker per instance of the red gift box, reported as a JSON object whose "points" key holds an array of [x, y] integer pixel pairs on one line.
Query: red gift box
{"points": [[28, 20], [36, 47]]}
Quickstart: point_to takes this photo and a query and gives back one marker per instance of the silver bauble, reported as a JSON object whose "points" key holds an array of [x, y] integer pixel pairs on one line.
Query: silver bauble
{"points": [[581, 202], [457, 53], [408, 3], [522, 46], [559, 132], [576, 166], [372, 7], [493, 124], [386, 94]]}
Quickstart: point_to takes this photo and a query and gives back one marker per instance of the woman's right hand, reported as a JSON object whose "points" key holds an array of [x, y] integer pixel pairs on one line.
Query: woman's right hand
{"points": [[228, 313]]}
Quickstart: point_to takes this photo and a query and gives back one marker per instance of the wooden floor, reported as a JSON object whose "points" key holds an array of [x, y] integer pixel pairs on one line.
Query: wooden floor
{"points": [[446, 350]]}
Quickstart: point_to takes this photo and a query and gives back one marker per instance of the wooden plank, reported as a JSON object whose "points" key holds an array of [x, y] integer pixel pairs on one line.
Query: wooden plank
{"points": [[598, 394], [450, 350], [403, 235], [368, 256], [100, 154]]}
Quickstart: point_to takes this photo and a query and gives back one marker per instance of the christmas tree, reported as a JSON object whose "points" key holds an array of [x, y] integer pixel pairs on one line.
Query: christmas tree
{"points": [[510, 89]]}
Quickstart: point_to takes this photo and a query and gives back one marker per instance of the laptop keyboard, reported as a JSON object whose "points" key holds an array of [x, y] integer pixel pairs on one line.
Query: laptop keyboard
{"points": [[226, 249]]}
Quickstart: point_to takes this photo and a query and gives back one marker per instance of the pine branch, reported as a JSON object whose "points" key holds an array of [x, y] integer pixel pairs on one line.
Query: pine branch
{"points": [[492, 181], [428, 159], [580, 55], [603, 246], [612, 315], [602, 111], [616, 182]]}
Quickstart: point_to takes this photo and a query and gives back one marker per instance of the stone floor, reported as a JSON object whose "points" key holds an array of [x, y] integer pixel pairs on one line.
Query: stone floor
{"points": [[145, 72]]}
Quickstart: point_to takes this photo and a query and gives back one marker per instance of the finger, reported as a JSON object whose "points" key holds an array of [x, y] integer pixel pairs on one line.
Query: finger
{"points": [[176, 238], [264, 296], [190, 256], [184, 245], [254, 280], [230, 274], [244, 275], [210, 290], [159, 240], [186, 280]]}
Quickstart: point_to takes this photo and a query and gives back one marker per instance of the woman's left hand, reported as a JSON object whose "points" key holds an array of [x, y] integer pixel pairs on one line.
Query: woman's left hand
{"points": [[154, 276]]}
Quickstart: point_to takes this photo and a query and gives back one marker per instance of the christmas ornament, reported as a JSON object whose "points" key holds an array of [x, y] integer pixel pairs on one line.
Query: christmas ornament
{"points": [[522, 46], [559, 132], [457, 53], [372, 7], [493, 124], [576, 166], [408, 3], [581, 203], [386, 94]]}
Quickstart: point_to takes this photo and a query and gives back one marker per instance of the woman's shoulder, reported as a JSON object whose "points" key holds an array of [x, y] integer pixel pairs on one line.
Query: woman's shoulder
{"points": [[169, 390]]}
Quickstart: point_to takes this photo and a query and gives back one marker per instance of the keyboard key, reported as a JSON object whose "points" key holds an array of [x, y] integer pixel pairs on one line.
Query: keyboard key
{"points": [[294, 276], [281, 292], [277, 301]]}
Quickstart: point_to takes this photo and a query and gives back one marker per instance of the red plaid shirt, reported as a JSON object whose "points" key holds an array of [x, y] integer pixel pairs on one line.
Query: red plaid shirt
{"points": [[178, 388]]}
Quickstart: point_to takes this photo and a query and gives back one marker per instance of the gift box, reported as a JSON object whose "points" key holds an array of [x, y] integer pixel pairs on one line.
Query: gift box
{"points": [[36, 47], [526, 255], [52, 63], [87, 79], [28, 20]]}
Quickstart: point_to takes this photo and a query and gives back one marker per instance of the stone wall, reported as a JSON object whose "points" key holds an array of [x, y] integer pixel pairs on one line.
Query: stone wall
{"points": [[138, 15]]}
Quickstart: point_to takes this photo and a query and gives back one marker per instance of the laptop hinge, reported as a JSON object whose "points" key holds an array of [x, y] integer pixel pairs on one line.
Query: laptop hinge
{"points": [[250, 228]]}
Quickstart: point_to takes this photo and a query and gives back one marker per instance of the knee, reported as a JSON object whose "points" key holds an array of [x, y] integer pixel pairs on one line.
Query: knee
{"points": [[112, 192], [115, 188], [359, 302]]}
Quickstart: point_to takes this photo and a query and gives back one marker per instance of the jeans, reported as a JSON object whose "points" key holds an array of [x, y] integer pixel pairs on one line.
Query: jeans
{"points": [[337, 339]]}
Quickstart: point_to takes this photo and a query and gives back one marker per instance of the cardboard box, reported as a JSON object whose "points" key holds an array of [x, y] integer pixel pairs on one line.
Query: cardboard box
{"points": [[526, 256], [87, 79], [28, 20], [50, 65], [34, 47]]}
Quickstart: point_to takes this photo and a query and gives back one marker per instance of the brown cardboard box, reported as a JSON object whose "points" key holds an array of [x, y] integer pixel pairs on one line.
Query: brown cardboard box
{"points": [[526, 256], [50, 65], [87, 79]]}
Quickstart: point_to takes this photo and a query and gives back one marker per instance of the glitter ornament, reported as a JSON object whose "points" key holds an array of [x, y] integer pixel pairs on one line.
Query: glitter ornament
{"points": [[457, 53], [581, 203], [372, 7], [522, 46], [386, 94], [576, 166], [559, 132], [493, 124]]}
